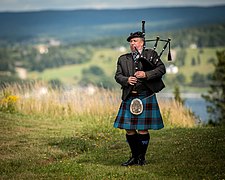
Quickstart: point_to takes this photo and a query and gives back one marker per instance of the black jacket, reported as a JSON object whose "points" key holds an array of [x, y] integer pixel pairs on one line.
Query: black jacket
{"points": [[154, 72]]}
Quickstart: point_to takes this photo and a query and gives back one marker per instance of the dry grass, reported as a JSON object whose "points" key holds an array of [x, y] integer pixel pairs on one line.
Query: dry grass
{"points": [[39, 99], [177, 115]]}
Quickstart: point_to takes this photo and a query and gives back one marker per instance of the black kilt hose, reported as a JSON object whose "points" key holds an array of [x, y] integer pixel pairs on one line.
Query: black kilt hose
{"points": [[150, 118]]}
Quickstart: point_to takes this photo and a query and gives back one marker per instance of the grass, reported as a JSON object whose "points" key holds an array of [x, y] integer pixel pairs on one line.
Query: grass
{"points": [[69, 134], [85, 147], [39, 99]]}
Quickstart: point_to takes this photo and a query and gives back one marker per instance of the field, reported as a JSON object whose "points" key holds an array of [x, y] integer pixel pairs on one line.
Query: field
{"points": [[106, 59], [47, 148], [45, 137]]}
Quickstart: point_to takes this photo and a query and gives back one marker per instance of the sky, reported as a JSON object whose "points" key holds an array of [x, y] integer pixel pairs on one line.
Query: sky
{"points": [[36, 5]]}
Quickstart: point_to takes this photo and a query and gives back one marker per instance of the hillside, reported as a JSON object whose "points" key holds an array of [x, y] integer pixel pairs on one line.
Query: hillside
{"points": [[87, 24], [90, 147], [105, 59]]}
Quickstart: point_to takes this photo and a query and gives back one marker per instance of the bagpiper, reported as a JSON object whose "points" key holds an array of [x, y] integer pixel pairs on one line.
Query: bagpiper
{"points": [[140, 75]]}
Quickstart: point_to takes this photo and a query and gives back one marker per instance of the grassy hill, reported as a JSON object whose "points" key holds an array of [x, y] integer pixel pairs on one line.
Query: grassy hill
{"points": [[205, 67], [53, 148], [106, 59]]}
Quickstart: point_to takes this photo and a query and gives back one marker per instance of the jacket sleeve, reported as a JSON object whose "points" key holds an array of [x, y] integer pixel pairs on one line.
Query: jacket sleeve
{"points": [[119, 75], [159, 68]]}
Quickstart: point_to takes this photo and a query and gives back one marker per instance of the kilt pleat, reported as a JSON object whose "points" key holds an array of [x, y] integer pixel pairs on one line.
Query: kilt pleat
{"points": [[150, 118]]}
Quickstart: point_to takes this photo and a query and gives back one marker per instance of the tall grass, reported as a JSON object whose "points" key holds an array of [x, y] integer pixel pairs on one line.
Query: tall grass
{"points": [[40, 99], [175, 114]]}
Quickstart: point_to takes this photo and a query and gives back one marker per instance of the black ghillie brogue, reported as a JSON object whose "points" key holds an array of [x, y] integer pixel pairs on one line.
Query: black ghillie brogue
{"points": [[130, 162], [141, 160]]}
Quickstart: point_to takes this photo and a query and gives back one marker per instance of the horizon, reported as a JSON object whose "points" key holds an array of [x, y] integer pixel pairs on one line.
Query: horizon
{"points": [[66, 5], [161, 7]]}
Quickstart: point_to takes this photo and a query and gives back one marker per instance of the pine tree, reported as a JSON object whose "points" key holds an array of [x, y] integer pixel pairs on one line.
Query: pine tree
{"points": [[216, 94], [193, 62]]}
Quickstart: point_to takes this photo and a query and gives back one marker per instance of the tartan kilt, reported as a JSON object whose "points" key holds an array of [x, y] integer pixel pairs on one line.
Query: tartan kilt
{"points": [[150, 118]]}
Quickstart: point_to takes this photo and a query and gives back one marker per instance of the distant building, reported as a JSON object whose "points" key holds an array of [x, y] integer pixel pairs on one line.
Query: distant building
{"points": [[172, 69], [121, 49], [54, 42], [42, 49], [22, 72], [193, 46]]}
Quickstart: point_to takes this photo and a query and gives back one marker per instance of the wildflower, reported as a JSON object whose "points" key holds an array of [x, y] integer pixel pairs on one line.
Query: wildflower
{"points": [[8, 103]]}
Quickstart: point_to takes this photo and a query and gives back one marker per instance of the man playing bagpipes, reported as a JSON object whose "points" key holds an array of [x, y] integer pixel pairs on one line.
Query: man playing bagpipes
{"points": [[140, 75]]}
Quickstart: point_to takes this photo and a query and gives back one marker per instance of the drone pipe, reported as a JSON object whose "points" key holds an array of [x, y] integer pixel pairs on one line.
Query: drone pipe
{"points": [[156, 42], [168, 41]]}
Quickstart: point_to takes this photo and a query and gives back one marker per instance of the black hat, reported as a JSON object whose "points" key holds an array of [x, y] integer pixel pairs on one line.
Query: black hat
{"points": [[137, 34]]}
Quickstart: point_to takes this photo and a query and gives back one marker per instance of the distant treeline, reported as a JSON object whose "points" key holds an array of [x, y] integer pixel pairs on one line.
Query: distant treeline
{"points": [[35, 58], [201, 36]]}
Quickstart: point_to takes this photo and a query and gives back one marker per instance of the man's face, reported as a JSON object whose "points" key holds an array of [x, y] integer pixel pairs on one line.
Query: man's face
{"points": [[136, 42]]}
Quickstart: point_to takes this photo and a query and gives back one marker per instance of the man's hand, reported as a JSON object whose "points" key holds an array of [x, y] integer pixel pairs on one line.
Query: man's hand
{"points": [[140, 74], [132, 80]]}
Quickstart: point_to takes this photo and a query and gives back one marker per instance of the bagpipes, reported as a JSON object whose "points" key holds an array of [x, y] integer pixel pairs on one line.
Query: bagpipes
{"points": [[143, 60]]}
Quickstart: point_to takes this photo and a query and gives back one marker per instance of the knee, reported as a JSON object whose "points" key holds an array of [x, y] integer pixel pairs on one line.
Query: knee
{"points": [[143, 132], [131, 132]]}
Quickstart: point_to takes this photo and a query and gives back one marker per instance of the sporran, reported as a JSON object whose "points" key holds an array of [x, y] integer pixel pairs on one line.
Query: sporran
{"points": [[136, 106]]}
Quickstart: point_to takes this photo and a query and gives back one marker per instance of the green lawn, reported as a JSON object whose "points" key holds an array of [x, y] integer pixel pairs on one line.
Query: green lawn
{"points": [[88, 147]]}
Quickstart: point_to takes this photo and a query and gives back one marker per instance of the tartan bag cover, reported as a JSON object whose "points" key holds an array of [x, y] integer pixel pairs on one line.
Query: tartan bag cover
{"points": [[150, 118]]}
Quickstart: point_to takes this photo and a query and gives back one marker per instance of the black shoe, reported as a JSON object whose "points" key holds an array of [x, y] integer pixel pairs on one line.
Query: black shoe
{"points": [[141, 161], [130, 162]]}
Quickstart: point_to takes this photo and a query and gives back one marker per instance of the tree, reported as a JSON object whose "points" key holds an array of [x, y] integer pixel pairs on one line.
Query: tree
{"points": [[216, 94], [198, 79], [177, 95], [199, 59], [193, 62], [95, 70], [6, 61], [181, 55], [181, 79], [96, 76]]}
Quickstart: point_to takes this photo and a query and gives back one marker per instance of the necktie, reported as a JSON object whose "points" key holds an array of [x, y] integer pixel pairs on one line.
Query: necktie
{"points": [[135, 55]]}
